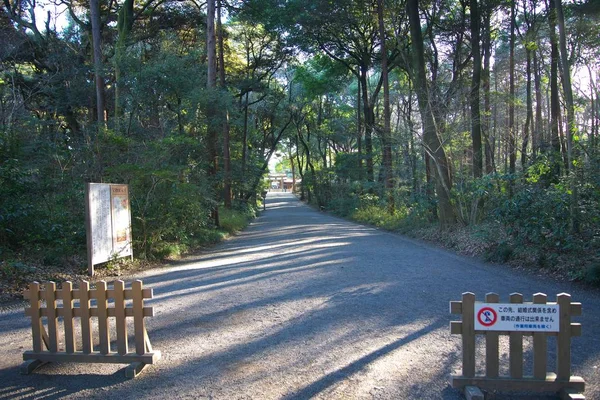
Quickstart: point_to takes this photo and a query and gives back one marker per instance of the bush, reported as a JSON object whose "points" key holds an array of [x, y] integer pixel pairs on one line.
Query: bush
{"points": [[539, 217], [233, 220]]}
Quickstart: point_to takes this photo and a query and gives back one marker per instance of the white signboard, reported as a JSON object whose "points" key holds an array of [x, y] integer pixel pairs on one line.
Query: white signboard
{"points": [[516, 317], [108, 223]]}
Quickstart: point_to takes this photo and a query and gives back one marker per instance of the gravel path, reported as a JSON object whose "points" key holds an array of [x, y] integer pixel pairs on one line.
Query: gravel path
{"points": [[301, 305]]}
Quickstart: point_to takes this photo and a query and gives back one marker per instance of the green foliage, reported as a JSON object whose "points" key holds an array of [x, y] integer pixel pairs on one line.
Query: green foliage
{"points": [[236, 219], [347, 166], [538, 216], [381, 217], [592, 273], [501, 252]]}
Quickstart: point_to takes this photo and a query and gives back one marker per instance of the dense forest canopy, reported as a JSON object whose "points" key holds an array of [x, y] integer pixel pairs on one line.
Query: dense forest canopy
{"points": [[412, 112]]}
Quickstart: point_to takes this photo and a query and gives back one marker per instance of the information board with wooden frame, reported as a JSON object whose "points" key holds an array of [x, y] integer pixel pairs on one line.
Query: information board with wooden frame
{"points": [[108, 223]]}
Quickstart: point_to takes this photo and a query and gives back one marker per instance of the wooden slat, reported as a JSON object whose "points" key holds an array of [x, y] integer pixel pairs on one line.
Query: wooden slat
{"points": [[148, 293], [571, 394], [112, 358], [468, 334], [139, 326], [575, 329], [93, 311], [575, 309], [102, 314], [53, 335], [540, 345], [121, 323], [147, 342], [492, 354], [550, 384], [563, 343], [67, 313], [36, 323], [455, 327], [84, 313], [516, 345], [456, 307]]}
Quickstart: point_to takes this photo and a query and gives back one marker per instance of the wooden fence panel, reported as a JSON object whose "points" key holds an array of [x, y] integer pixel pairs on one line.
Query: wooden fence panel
{"points": [[541, 381], [84, 311]]}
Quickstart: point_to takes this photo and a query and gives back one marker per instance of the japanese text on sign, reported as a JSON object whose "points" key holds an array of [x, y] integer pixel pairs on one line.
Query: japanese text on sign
{"points": [[517, 317]]}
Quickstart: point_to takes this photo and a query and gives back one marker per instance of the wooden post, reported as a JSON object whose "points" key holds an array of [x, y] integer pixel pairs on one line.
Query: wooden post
{"points": [[540, 345], [563, 342], [88, 230], [102, 305], [516, 344], [121, 323], [492, 368], [138, 317], [84, 306], [36, 319], [50, 297], [67, 298], [468, 334]]}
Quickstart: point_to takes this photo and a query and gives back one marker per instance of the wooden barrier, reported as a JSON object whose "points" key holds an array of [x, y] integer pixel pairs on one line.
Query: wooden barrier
{"points": [[61, 305], [570, 387]]}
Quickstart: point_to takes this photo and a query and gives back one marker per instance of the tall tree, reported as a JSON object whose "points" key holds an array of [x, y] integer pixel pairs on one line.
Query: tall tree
{"points": [[386, 136], [554, 95], [97, 45], [211, 83], [512, 140], [475, 84], [432, 143], [571, 124], [485, 79], [225, 129]]}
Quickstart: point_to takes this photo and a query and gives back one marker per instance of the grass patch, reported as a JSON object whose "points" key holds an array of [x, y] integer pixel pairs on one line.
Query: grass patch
{"points": [[380, 217], [234, 220]]}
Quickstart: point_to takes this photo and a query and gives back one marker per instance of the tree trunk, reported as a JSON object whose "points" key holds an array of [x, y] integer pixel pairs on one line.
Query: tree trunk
{"points": [[487, 106], [512, 148], [124, 25], [571, 123], [226, 153], [475, 83], [386, 134], [211, 85], [97, 45], [554, 100], [538, 140], [369, 123], [432, 142], [529, 118], [359, 131]]}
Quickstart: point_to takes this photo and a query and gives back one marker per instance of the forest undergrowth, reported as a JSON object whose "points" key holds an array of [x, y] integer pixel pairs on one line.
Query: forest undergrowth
{"points": [[19, 269], [528, 226]]}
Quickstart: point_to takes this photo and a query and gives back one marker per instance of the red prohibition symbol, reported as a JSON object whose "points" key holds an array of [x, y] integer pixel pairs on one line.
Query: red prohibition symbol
{"points": [[487, 316]]}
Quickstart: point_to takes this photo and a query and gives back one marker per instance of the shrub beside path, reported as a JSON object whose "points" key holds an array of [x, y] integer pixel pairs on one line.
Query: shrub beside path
{"points": [[301, 305]]}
